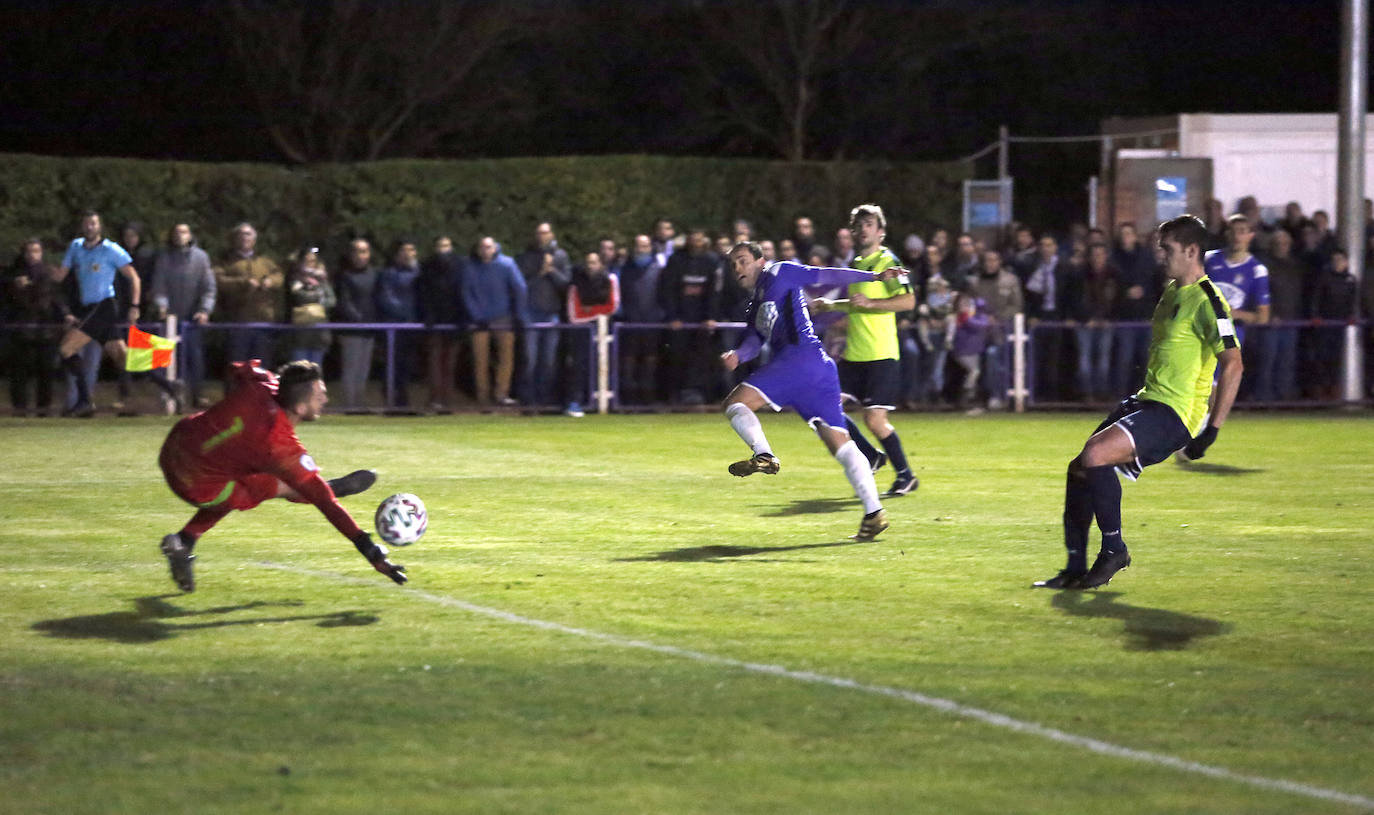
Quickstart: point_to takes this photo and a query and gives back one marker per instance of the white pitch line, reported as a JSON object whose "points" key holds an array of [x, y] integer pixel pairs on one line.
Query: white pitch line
{"points": [[933, 702]]}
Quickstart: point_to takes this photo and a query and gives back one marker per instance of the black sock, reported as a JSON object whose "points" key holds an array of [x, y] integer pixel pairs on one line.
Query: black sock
{"points": [[73, 366], [1106, 496], [1078, 516], [892, 445], [865, 446]]}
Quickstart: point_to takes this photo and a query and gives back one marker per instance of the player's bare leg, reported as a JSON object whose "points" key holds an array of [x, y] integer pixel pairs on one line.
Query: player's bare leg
{"points": [[740, 407], [860, 475]]}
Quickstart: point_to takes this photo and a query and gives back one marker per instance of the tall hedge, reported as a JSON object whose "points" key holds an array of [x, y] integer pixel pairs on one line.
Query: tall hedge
{"points": [[584, 197]]}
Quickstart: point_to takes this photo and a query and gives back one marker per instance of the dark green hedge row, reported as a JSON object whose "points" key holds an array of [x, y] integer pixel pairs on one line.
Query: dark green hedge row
{"points": [[584, 197]]}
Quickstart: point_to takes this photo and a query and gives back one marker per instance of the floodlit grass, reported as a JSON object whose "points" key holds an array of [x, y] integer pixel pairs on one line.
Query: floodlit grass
{"points": [[295, 679]]}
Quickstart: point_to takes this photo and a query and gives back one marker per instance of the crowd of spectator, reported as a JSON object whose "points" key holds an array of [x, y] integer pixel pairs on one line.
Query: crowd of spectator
{"points": [[502, 327]]}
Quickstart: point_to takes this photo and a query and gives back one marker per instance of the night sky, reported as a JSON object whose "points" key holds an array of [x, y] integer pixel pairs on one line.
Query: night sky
{"points": [[163, 80]]}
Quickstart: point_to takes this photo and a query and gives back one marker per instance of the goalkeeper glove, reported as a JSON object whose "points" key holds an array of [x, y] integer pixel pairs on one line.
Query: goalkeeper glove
{"points": [[376, 555], [1197, 448]]}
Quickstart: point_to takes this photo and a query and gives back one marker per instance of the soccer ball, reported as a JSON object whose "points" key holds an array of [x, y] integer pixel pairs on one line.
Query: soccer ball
{"points": [[401, 519]]}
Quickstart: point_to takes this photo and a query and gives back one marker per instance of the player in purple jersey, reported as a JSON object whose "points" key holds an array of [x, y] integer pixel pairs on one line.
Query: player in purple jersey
{"points": [[1239, 276], [799, 375]]}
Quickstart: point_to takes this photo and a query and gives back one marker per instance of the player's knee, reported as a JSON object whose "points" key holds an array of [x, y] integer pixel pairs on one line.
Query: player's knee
{"points": [[1076, 468], [734, 407]]}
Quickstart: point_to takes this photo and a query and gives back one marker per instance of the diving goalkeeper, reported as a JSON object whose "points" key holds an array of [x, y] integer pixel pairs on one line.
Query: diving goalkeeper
{"points": [[243, 451]]}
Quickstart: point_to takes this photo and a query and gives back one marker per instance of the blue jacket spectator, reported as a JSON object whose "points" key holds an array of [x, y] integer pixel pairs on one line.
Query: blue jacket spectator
{"points": [[493, 289]]}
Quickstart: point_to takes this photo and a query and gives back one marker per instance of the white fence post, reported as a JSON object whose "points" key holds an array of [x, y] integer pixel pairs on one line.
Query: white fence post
{"points": [[170, 331], [603, 364], [1018, 362]]}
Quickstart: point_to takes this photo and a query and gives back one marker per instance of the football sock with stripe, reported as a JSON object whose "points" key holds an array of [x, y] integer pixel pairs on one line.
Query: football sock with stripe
{"points": [[856, 435], [1106, 496], [746, 425], [892, 445], [1078, 516]]}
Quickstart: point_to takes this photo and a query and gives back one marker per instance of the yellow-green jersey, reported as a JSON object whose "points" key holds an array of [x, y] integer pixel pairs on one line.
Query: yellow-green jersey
{"points": [[1192, 324], [873, 334]]}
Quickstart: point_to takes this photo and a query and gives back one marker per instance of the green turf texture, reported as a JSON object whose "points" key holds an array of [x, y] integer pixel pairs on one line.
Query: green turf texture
{"points": [[1242, 637]]}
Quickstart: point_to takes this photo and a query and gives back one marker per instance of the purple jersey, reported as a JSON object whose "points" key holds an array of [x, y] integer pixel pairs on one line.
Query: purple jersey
{"points": [[777, 313], [799, 374], [1245, 285]]}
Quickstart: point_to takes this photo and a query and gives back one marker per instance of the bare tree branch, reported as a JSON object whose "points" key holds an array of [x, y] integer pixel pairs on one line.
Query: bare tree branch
{"points": [[345, 79]]}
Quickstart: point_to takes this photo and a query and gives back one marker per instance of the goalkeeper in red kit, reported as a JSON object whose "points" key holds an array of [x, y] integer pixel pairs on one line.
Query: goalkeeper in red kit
{"points": [[244, 450]]}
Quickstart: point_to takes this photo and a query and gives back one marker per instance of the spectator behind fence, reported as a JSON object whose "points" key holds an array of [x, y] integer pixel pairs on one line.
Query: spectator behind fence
{"points": [[1244, 281], [1000, 292], [1288, 280], [397, 302], [639, 347], [1045, 292], [1024, 254], [665, 240], [356, 291], [1091, 296], [31, 296], [968, 340], [934, 326], [441, 303], [1137, 291], [965, 266], [184, 286], [251, 289], [546, 270], [1334, 303], [803, 235], [310, 297], [594, 292], [494, 300], [690, 289], [843, 250], [134, 238]]}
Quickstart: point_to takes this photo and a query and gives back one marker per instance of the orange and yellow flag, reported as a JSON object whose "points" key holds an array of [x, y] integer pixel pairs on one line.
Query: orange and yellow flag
{"points": [[148, 351]]}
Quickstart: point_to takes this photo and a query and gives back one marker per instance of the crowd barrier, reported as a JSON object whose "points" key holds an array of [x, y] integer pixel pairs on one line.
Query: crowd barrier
{"points": [[1037, 365]]}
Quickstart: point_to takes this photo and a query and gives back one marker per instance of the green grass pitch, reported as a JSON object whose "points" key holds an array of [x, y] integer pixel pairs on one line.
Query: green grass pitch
{"points": [[594, 611]]}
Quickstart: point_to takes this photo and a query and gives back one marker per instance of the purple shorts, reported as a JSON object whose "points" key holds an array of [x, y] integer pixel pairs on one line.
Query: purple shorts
{"points": [[805, 380]]}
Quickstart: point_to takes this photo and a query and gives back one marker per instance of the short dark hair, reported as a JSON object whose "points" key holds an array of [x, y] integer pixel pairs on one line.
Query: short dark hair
{"points": [[1188, 230], [752, 247], [294, 380]]}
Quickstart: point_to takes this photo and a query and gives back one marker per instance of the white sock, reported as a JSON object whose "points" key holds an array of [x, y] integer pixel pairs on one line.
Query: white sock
{"points": [[747, 425], [860, 475]]}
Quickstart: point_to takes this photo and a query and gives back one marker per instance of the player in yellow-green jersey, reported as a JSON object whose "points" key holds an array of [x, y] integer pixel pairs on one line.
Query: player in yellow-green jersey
{"points": [[870, 371], [1192, 337]]}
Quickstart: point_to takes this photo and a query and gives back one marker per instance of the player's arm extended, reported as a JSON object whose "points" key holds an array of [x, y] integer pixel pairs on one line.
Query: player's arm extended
{"points": [[313, 488]]}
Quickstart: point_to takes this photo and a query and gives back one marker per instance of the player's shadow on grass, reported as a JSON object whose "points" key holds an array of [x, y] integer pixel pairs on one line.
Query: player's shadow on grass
{"points": [[813, 506], [1208, 468], [1147, 629], [153, 619], [723, 551]]}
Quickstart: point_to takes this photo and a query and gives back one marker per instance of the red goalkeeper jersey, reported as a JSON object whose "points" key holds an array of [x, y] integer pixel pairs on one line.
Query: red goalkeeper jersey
{"points": [[219, 456]]}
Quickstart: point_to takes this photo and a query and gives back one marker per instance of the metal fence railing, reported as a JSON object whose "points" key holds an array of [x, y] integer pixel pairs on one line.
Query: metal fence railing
{"points": [[619, 366]]}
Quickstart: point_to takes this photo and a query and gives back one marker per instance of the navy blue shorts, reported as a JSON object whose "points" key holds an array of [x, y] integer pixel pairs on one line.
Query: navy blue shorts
{"points": [[872, 384], [1154, 428], [99, 321]]}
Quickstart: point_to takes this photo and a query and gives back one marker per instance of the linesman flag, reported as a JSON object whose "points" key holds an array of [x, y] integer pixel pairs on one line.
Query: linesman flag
{"points": [[148, 351]]}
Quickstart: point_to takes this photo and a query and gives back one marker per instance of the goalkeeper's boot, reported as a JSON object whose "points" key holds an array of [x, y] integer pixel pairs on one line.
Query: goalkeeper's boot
{"points": [[1104, 568], [353, 483], [765, 463], [873, 524], [179, 557], [1066, 579]]}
